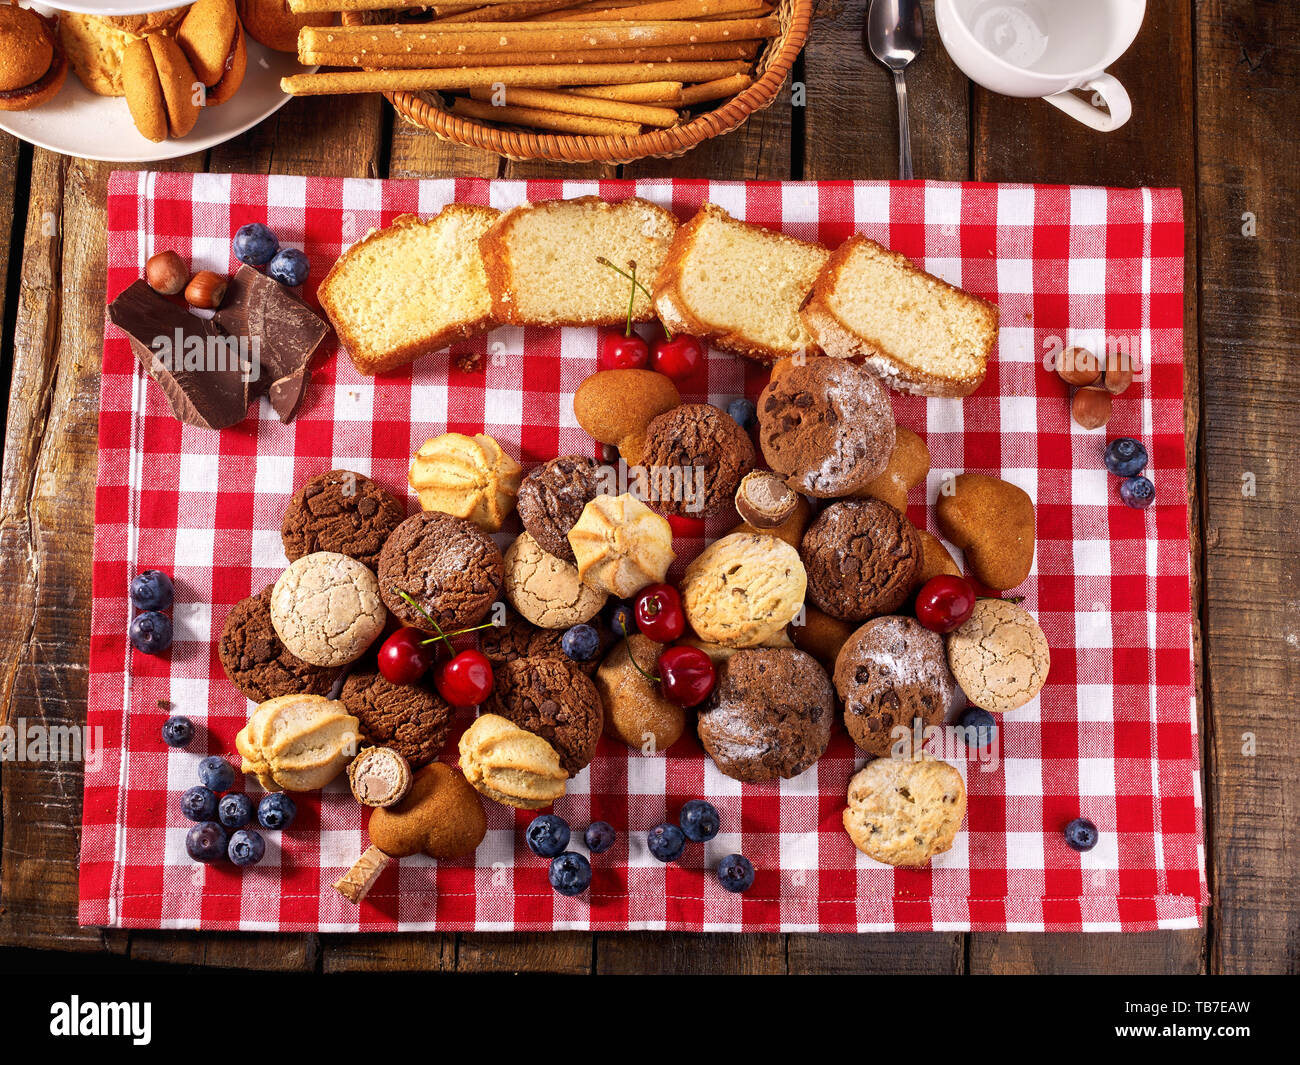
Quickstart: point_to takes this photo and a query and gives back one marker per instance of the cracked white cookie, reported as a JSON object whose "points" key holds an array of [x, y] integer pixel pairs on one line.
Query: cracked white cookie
{"points": [[999, 656], [326, 608], [547, 590], [904, 812]]}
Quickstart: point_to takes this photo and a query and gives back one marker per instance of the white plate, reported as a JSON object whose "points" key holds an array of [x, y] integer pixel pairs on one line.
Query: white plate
{"points": [[78, 122], [113, 7]]}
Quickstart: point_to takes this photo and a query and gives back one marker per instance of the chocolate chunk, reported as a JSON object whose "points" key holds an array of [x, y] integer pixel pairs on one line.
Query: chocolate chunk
{"points": [[198, 367]]}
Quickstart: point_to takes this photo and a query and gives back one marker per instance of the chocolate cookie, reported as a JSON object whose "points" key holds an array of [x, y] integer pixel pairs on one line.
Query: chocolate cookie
{"points": [[554, 700], [448, 565], [257, 663], [551, 499], [340, 511], [889, 672], [862, 557], [409, 718], [769, 716], [520, 638], [826, 426], [695, 457]]}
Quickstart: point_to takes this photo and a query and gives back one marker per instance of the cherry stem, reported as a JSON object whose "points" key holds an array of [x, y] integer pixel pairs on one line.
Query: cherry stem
{"points": [[635, 285], [459, 632], [425, 614], [637, 665]]}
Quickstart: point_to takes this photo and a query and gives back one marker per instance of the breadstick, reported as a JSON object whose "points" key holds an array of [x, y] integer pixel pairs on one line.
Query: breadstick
{"points": [[753, 11], [350, 81], [528, 116], [417, 61], [507, 12], [715, 90], [308, 7], [479, 37], [579, 105], [651, 92], [659, 11]]}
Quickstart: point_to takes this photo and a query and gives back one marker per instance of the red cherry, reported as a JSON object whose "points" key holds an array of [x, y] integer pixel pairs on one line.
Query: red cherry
{"points": [[686, 675], [659, 613], [945, 602], [465, 680], [619, 352], [403, 657], [678, 357]]}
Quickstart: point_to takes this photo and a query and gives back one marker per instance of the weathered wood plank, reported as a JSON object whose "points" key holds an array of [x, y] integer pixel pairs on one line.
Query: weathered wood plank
{"points": [[261, 952], [415, 152], [343, 138], [906, 954], [689, 954], [384, 953], [1127, 954], [10, 233], [1247, 71], [525, 952]]}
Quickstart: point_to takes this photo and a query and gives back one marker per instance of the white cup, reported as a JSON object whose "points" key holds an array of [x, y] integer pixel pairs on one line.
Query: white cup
{"points": [[1045, 48]]}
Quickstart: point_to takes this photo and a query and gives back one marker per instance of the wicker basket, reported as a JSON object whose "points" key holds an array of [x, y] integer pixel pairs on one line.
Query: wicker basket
{"points": [[773, 65]]}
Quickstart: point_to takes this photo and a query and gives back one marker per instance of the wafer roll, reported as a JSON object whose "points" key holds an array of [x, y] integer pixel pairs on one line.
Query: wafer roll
{"points": [[594, 107], [357, 881], [538, 119]]}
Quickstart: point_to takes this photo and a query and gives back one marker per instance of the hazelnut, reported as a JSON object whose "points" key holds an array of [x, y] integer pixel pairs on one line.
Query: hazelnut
{"points": [[1091, 407], [206, 290], [1119, 374], [166, 273], [1078, 367]]}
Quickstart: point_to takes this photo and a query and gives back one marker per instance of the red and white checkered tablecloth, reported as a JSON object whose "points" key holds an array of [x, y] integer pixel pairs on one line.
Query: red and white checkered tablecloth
{"points": [[1112, 736]]}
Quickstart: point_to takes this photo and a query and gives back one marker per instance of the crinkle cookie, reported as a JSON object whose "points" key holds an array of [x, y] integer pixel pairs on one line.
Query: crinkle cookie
{"points": [[547, 590], [862, 557], [743, 589], [999, 656], [258, 663], [904, 812], [552, 497], [326, 608], [449, 566], [340, 511]]}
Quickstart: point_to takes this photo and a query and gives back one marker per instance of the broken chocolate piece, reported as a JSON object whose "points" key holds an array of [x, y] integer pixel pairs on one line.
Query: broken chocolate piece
{"points": [[200, 369], [282, 330]]}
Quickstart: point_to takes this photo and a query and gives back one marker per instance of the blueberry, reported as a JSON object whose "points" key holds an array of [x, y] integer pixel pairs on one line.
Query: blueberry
{"points": [[608, 453], [206, 842], [178, 731], [570, 873], [581, 643], [150, 632], [979, 727], [1125, 457], [255, 244], [289, 267], [1137, 492], [666, 842], [700, 821], [152, 590], [1081, 834], [742, 412], [216, 773], [199, 804], [547, 835], [235, 811], [736, 873], [622, 618], [276, 810], [599, 837], [246, 847]]}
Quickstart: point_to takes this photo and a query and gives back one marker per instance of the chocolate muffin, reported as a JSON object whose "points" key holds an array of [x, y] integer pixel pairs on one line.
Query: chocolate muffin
{"points": [[520, 638], [826, 426], [769, 716], [410, 718], [862, 557], [695, 457], [257, 663], [551, 499], [891, 671], [448, 565], [340, 511], [554, 700]]}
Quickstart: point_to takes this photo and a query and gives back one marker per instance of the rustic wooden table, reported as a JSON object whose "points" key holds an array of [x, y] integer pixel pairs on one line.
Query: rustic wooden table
{"points": [[1216, 114]]}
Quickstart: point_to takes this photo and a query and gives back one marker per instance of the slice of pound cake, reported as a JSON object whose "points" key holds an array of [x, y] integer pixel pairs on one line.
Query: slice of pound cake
{"points": [[411, 289], [738, 286], [916, 332], [542, 268]]}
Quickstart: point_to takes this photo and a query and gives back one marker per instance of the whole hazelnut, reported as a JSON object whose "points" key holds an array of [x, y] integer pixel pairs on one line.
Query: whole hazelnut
{"points": [[1090, 407], [1119, 374], [206, 290], [1078, 367], [166, 273]]}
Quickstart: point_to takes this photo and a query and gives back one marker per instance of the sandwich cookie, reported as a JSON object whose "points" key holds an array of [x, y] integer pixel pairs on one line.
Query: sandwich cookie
{"points": [[33, 66], [213, 42]]}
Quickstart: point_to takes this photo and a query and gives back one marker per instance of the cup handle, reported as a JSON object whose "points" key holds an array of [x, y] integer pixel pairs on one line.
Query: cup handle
{"points": [[1112, 93]]}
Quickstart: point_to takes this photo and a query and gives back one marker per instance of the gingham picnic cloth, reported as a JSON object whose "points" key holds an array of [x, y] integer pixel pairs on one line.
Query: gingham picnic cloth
{"points": [[1112, 737]]}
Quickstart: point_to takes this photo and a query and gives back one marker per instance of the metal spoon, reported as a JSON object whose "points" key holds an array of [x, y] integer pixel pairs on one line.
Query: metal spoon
{"points": [[894, 31]]}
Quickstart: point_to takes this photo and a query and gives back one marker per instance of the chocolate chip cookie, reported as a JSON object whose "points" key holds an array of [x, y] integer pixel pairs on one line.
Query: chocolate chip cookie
{"points": [[826, 426], [862, 557], [551, 499], [695, 457], [258, 663], [903, 812], [520, 638], [340, 511], [552, 699], [888, 673], [769, 716], [410, 718], [448, 565]]}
